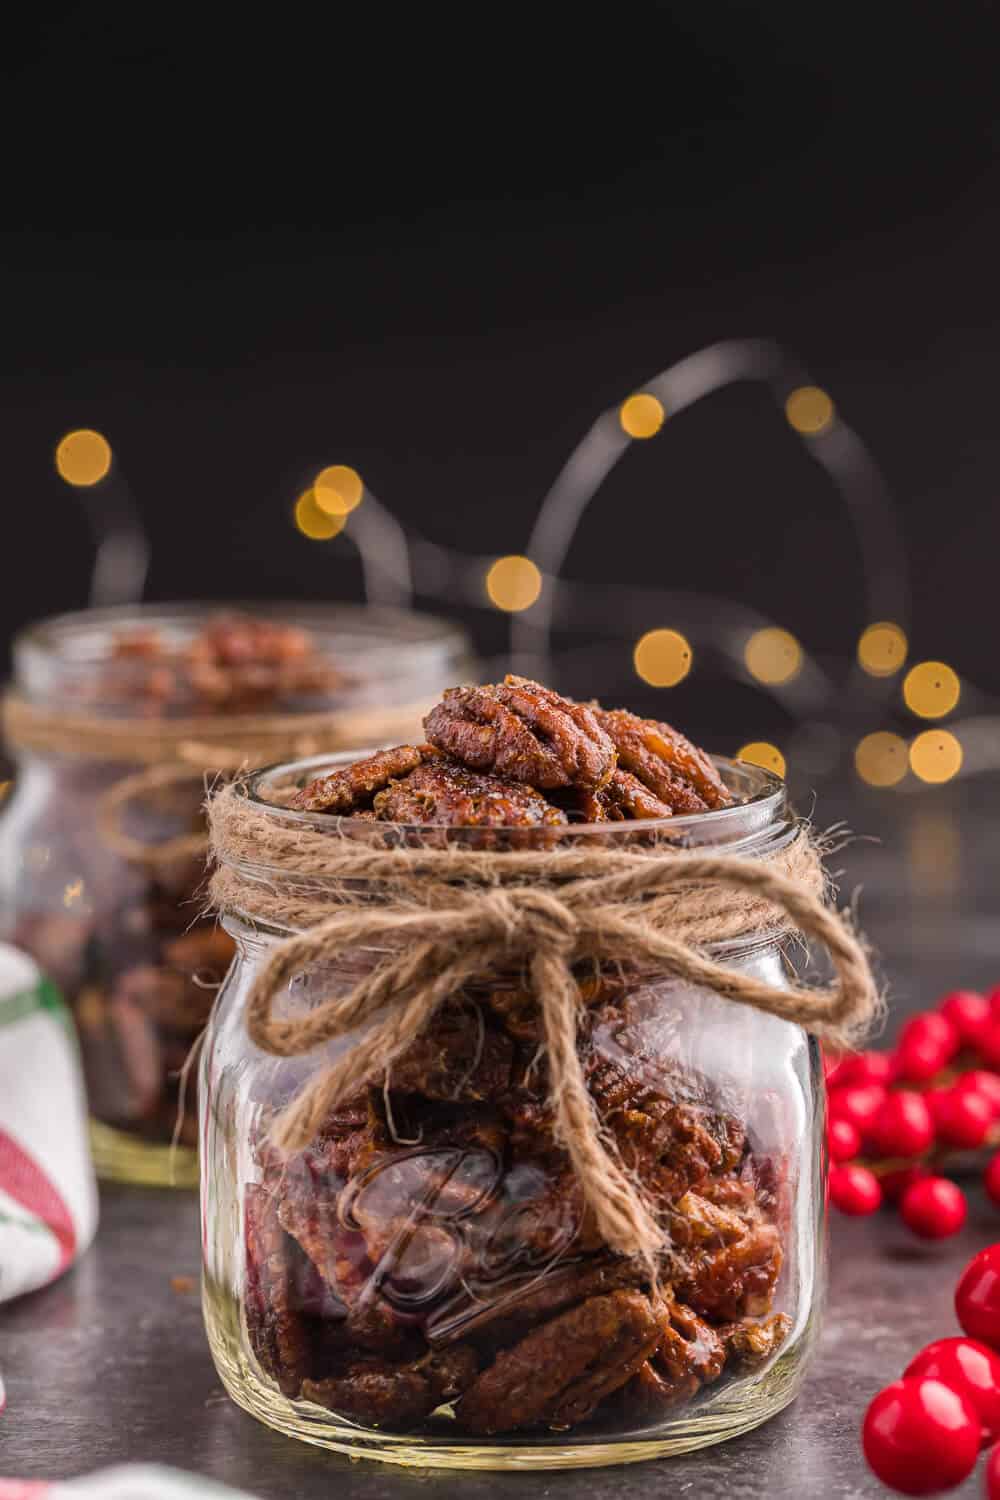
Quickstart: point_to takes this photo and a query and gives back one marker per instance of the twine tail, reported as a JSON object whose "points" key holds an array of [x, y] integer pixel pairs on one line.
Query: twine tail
{"points": [[622, 1218]]}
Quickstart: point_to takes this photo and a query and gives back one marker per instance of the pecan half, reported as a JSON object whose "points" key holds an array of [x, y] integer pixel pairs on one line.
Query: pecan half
{"points": [[664, 761], [561, 1371], [524, 731], [449, 794], [352, 788]]}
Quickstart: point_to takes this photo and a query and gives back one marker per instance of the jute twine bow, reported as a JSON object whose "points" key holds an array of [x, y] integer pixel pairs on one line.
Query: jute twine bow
{"points": [[180, 751], [448, 916]]}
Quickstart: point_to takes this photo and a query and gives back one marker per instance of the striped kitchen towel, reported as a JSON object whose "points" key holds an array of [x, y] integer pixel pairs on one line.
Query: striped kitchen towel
{"points": [[124, 1482], [48, 1198]]}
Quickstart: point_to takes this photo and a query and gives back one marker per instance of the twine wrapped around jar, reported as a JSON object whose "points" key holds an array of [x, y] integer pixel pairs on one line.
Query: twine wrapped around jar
{"points": [[448, 916], [178, 751]]}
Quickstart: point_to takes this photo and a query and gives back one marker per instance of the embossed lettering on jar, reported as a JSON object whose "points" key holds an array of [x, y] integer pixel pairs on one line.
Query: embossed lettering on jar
{"points": [[423, 1282]]}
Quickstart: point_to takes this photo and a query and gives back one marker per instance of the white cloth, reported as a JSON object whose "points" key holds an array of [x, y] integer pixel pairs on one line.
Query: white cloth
{"points": [[48, 1197], [124, 1482]]}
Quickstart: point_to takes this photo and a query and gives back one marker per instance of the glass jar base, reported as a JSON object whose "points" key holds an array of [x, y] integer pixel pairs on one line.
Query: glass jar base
{"points": [[120, 1157], [740, 1407]]}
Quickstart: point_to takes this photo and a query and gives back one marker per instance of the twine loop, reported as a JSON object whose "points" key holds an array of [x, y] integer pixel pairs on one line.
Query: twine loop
{"points": [[435, 920]]}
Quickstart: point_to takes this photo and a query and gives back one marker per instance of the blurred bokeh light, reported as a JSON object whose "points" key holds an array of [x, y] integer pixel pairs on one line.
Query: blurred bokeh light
{"points": [[662, 657], [83, 457]]}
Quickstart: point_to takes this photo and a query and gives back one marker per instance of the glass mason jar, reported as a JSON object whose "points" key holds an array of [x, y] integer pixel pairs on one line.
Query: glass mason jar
{"points": [[102, 843], [356, 1292]]}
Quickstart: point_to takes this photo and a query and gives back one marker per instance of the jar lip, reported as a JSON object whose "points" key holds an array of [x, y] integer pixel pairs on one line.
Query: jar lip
{"points": [[395, 645], [78, 635], [760, 811]]}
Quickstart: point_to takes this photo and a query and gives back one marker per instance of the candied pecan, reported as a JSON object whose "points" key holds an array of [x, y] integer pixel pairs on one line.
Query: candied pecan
{"points": [[560, 1371], [457, 1057], [750, 1345], [666, 1127], [277, 1331], [691, 1355], [382, 1395], [624, 798], [524, 731], [676, 771], [352, 788], [504, 1309], [517, 1008], [735, 1280], [447, 794]]}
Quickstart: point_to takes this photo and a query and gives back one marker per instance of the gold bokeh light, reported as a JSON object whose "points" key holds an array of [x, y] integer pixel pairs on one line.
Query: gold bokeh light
{"points": [[880, 759], [513, 583], [338, 489], [882, 649], [83, 457], [809, 411], [662, 658], [641, 415], [936, 755], [318, 525], [931, 689], [773, 655], [762, 753]]}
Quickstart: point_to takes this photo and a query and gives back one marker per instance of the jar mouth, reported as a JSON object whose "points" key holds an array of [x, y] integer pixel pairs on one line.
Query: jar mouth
{"points": [[759, 813], [385, 653]]}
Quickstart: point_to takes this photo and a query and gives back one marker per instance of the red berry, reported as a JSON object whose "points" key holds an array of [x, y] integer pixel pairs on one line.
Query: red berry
{"points": [[963, 1117], [903, 1126], [992, 1474], [855, 1191], [991, 1179], [920, 1058], [984, 1083], [864, 1068], [988, 1042], [993, 1001], [934, 1208], [977, 1297], [843, 1140], [858, 1105], [935, 1101], [967, 1367], [919, 1436], [967, 1011], [895, 1184]]}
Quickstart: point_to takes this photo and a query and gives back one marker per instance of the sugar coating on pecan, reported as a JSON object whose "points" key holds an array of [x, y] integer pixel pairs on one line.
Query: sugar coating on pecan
{"points": [[385, 1395], [560, 1372], [523, 731], [664, 761], [623, 797], [353, 788], [444, 793]]}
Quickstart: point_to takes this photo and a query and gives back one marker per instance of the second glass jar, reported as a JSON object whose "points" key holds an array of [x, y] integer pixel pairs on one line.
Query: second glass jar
{"points": [[101, 864]]}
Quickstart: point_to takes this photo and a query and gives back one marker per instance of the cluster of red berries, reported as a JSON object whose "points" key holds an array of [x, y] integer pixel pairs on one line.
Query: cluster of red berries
{"points": [[895, 1117], [923, 1433]]}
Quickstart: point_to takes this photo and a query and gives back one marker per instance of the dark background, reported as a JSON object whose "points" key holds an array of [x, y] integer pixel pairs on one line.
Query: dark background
{"points": [[434, 242]]}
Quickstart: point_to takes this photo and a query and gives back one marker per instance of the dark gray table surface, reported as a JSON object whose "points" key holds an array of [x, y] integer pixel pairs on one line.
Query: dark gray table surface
{"points": [[110, 1364]]}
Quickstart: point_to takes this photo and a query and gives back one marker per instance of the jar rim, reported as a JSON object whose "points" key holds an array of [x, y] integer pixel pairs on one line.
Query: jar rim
{"points": [[760, 815], [396, 645]]}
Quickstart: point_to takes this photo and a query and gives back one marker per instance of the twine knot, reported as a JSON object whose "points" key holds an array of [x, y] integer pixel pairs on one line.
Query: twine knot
{"points": [[431, 921], [526, 918]]}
